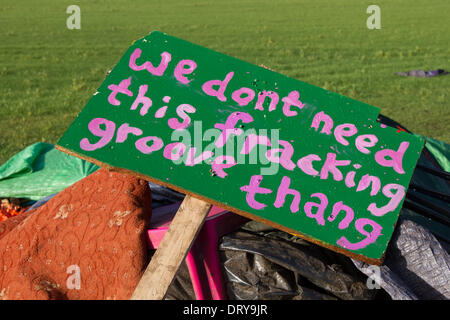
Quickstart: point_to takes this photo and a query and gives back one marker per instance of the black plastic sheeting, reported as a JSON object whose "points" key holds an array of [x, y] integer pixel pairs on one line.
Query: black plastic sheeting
{"points": [[262, 263], [274, 265]]}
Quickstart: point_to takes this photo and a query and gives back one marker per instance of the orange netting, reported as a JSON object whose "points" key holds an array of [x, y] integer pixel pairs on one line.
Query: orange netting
{"points": [[8, 209]]}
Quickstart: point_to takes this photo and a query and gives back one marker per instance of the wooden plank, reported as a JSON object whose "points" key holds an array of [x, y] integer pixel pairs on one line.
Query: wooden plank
{"points": [[172, 250]]}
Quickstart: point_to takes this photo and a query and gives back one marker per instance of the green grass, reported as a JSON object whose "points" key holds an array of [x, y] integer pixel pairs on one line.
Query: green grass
{"points": [[48, 73]]}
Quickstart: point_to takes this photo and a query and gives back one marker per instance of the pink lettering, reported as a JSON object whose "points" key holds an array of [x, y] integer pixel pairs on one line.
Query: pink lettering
{"points": [[179, 148], [159, 71], [285, 157], [219, 93], [121, 88], [182, 111], [344, 130], [252, 189], [396, 157], [106, 134], [305, 164], [124, 130], [349, 214], [326, 119], [370, 237], [143, 147], [273, 100], [161, 112], [330, 166], [365, 141], [217, 165], [396, 198], [283, 191], [237, 96], [320, 208], [191, 160], [291, 100], [142, 99], [252, 140], [228, 127], [366, 180], [181, 70], [350, 179]]}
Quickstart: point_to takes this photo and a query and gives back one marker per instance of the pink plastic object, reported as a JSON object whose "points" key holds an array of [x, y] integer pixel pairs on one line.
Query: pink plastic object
{"points": [[203, 259]]}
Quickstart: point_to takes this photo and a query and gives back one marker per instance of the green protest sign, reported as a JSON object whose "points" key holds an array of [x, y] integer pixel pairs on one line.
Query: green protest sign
{"points": [[275, 149]]}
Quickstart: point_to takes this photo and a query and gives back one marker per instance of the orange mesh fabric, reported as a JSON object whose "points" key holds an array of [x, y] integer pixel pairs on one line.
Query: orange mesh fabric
{"points": [[8, 209], [87, 242]]}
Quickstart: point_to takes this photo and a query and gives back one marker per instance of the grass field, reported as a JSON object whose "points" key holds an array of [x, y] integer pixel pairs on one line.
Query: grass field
{"points": [[48, 72]]}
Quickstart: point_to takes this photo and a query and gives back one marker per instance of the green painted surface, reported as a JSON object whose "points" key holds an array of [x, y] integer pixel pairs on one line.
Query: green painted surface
{"points": [[295, 130]]}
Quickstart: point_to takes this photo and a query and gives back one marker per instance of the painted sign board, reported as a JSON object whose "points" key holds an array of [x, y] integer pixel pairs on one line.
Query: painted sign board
{"points": [[303, 159]]}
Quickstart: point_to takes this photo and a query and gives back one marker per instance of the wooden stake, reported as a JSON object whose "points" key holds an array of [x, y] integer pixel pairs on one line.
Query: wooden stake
{"points": [[172, 250]]}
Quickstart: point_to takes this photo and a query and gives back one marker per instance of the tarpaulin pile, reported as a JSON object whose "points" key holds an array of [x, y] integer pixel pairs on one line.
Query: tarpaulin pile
{"points": [[82, 216], [40, 170]]}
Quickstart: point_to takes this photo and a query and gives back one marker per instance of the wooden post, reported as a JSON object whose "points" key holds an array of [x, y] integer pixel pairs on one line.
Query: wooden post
{"points": [[172, 250]]}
